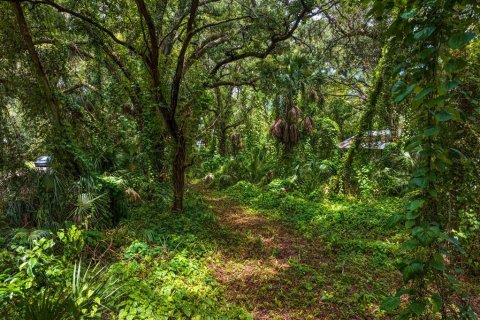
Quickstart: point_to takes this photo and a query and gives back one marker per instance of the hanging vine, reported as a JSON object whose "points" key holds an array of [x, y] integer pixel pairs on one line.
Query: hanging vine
{"points": [[435, 33]]}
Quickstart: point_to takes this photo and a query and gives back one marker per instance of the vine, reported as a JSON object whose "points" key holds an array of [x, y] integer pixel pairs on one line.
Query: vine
{"points": [[435, 33]]}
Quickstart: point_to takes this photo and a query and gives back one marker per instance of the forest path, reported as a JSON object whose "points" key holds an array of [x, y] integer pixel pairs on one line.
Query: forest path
{"points": [[266, 267]]}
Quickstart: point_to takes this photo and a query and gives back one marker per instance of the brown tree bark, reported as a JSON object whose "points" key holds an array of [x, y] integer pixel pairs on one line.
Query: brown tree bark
{"points": [[179, 168]]}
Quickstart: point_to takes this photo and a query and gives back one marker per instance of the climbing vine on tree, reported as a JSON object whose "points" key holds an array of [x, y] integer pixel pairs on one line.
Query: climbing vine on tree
{"points": [[436, 34]]}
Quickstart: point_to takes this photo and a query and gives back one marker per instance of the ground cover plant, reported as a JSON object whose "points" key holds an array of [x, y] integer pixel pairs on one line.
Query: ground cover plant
{"points": [[248, 159]]}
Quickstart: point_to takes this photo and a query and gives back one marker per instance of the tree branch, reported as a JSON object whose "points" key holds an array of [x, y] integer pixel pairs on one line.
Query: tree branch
{"points": [[275, 39], [177, 79], [89, 20]]}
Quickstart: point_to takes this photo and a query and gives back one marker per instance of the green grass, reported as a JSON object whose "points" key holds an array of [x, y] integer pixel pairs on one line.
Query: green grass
{"points": [[354, 237], [359, 248], [164, 271], [247, 252]]}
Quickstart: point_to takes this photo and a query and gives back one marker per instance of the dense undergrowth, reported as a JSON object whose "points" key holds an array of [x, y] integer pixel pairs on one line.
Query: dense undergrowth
{"points": [[358, 239], [152, 266]]}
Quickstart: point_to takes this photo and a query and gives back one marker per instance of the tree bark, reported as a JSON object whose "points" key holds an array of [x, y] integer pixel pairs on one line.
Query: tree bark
{"points": [[222, 141], [179, 168]]}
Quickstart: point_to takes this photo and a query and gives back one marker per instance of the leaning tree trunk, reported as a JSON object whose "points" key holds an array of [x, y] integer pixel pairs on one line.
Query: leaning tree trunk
{"points": [[65, 149], [367, 117], [179, 168]]}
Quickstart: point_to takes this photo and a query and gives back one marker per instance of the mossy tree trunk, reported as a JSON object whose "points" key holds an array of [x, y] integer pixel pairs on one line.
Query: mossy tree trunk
{"points": [[64, 147], [380, 78]]}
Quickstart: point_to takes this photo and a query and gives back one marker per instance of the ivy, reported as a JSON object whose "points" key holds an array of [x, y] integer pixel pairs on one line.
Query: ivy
{"points": [[426, 30]]}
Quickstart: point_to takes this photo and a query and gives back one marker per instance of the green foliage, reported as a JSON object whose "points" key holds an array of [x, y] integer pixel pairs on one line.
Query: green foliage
{"points": [[160, 286], [433, 41], [117, 90], [44, 285], [329, 218]]}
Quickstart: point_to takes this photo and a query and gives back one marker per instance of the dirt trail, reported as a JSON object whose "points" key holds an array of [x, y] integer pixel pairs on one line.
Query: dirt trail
{"points": [[266, 267]]}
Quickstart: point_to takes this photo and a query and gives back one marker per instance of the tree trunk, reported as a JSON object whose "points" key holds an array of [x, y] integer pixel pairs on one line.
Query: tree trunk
{"points": [[65, 149], [367, 117], [222, 141], [179, 168]]}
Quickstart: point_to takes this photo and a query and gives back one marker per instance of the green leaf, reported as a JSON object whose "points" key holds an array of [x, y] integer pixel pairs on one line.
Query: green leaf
{"points": [[424, 33], [455, 65], [460, 40], [423, 93], [412, 270], [420, 181], [433, 131], [390, 304], [402, 96], [412, 215], [427, 52], [410, 223], [394, 220], [420, 172], [397, 86], [413, 145], [410, 244], [418, 307], [409, 14], [437, 262], [415, 204], [449, 85], [443, 116], [437, 302]]}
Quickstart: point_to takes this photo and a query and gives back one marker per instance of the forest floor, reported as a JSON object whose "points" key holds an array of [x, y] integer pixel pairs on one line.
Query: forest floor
{"points": [[255, 266], [276, 273], [276, 270]]}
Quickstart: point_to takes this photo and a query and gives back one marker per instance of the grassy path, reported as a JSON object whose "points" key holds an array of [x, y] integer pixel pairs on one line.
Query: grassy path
{"points": [[272, 271]]}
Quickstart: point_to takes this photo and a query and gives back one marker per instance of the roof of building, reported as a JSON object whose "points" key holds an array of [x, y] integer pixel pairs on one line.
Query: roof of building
{"points": [[376, 140]]}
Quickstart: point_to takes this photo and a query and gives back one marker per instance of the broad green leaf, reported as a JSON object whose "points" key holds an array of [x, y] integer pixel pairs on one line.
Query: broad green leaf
{"points": [[437, 302], [410, 244], [409, 14], [418, 307], [412, 215], [423, 93], [449, 85], [438, 101], [390, 304], [413, 145], [437, 262], [415, 204], [427, 52], [443, 116], [412, 270], [455, 65], [420, 172], [433, 131], [420, 181], [424, 33], [397, 86], [460, 40], [402, 96], [410, 223]]}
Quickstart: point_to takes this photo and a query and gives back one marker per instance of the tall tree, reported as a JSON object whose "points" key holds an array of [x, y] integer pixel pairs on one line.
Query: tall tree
{"points": [[170, 38]]}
